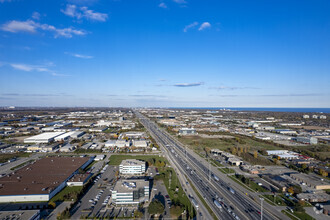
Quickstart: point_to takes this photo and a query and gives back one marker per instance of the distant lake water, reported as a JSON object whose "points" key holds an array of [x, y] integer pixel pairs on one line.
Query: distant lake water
{"points": [[307, 110]]}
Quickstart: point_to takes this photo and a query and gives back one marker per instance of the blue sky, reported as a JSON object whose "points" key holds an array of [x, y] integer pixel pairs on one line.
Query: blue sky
{"points": [[165, 53]]}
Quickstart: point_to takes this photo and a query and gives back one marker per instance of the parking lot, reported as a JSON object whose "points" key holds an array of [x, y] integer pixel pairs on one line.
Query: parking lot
{"points": [[159, 192], [95, 200]]}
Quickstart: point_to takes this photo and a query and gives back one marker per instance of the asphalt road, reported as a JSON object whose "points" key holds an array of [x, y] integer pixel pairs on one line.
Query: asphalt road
{"points": [[85, 207], [200, 173]]}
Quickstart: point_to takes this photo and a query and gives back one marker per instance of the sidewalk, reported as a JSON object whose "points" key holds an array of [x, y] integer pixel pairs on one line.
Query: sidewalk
{"points": [[58, 209]]}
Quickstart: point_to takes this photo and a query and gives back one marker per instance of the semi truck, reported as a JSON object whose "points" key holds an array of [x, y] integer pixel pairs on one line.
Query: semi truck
{"points": [[217, 204]]}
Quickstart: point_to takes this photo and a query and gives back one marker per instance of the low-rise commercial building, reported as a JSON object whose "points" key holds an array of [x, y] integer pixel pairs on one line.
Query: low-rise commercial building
{"points": [[130, 192], [187, 131], [42, 148], [311, 180], [117, 143], [140, 143], [132, 167], [235, 161], [99, 157]]}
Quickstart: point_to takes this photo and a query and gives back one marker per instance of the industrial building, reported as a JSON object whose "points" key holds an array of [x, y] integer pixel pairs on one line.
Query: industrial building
{"points": [[41, 180], [132, 167], [311, 180], [42, 148], [99, 157], [306, 140], [133, 135], [22, 214], [187, 131], [64, 137], [283, 154], [67, 148], [117, 143], [140, 143], [43, 138], [79, 179], [130, 192]]}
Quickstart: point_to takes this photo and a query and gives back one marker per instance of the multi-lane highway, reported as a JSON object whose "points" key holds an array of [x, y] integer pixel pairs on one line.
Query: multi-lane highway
{"points": [[231, 202]]}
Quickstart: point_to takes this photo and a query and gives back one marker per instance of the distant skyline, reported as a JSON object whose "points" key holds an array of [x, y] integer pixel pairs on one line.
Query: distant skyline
{"points": [[165, 53]]}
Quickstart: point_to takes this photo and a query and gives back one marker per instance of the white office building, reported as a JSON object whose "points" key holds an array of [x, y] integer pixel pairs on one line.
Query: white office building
{"points": [[132, 167], [130, 192]]}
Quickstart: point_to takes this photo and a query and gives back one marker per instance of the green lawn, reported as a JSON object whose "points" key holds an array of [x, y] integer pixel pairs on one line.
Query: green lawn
{"points": [[177, 196], [5, 157], [199, 144], [251, 184], [300, 215], [64, 194], [239, 182], [115, 160], [278, 200], [226, 170]]}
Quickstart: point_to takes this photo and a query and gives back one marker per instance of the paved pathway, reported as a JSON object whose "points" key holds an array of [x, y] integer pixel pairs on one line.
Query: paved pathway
{"points": [[60, 208]]}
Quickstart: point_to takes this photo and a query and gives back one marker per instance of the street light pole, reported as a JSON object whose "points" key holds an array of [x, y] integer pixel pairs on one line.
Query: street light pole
{"points": [[262, 199]]}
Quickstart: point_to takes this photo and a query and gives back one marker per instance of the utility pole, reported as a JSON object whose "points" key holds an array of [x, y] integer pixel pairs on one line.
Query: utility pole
{"points": [[209, 168], [262, 199]]}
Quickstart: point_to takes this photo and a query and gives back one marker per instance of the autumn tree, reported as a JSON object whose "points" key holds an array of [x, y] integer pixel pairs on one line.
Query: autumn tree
{"points": [[255, 154]]}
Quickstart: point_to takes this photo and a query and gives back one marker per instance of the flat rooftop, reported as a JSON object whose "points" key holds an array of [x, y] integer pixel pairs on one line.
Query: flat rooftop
{"points": [[132, 162], [17, 215], [130, 185], [45, 136], [41, 177], [79, 177], [311, 179]]}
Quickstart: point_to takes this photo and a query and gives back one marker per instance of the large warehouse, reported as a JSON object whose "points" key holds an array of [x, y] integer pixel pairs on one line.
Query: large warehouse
{"points": [[43, 138], [41, 180]]}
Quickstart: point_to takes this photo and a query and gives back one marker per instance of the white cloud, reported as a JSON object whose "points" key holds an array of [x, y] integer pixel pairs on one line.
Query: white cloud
{"points": [[71, 10], [29, 68], [192, 25], [23, 67], [180, 1], [35, 68], [162, 5], [188, 84], [31, 26], [79, 55], [204, 25], [19, 26], [36, 15], [83, 12]]}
